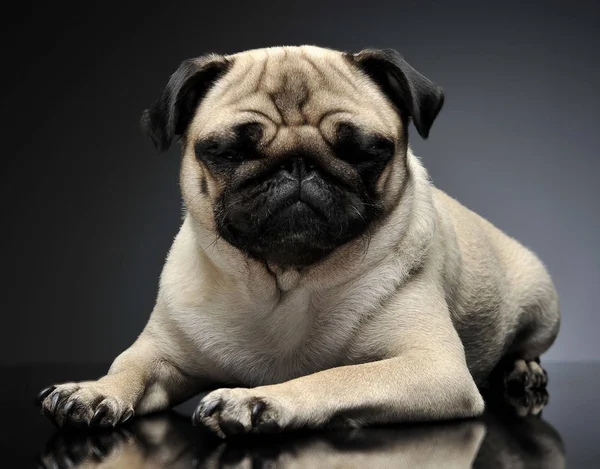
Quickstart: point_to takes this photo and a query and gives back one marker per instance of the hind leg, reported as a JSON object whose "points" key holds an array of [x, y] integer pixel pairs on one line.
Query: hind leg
{"points": [[539, 325], [520, 368]]}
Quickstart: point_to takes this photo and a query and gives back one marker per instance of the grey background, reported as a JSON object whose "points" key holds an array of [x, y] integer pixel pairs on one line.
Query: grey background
{"points": [[89, 209]]}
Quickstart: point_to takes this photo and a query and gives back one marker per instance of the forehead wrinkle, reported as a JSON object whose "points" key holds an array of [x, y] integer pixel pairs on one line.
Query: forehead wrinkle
{"points": [[229, 82], [257, 102], [283, 78], [292, 97], [308, 60], [243, 81], [258, 81], [316, 67], [260, 113], [355, 109], [262, 74], [346, 78], [359, 96], [345, 87]]}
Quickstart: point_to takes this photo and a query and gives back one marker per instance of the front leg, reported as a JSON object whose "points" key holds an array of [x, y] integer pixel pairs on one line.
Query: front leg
{"points": [[412, 387], [141, 380], [424, 377]]}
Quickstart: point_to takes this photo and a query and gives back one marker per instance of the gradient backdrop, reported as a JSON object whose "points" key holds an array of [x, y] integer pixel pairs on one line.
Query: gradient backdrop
{"points": [[89, 209]]}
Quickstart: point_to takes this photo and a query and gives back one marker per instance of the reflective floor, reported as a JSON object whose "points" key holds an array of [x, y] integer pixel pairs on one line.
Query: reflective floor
{"points": [[564, 435]]}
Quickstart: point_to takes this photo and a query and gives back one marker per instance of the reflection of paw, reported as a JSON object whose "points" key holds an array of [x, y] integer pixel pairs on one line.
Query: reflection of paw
{"points": [[254, 453], [83, 404], [229, 412], [528, 402], [525, 375], [74, 449]]}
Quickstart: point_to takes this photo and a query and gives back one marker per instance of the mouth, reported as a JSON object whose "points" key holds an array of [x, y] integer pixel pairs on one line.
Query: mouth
{"points": [[300, 207], [294, 234]]}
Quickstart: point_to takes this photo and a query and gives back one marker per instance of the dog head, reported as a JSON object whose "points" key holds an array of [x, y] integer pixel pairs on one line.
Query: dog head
{"points": [[291, 152]]}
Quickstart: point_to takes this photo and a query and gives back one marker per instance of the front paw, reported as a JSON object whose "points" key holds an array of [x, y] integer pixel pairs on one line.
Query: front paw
{"points": [[229, 412], [83, 404]]}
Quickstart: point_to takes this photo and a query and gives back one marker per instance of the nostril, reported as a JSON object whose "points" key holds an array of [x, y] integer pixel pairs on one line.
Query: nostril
{"points": [[308, 177], [298, 167], [288, 166]]}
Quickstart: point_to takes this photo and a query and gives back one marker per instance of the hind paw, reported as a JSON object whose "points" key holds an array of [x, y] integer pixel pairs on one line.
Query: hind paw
{"points": [[525, 375]]}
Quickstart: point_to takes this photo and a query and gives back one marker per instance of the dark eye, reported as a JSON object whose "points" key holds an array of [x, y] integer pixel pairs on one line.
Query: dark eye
{"points": [[215, 148], [240, 144], [249, 132], [355, 145], [381, 145]]}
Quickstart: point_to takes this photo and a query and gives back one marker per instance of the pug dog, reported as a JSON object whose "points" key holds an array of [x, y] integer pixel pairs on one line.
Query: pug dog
{"points": [[318, 278]]}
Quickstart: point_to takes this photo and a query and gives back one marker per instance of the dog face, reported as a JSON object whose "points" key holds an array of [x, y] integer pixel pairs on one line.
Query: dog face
{"points": [[290, 152]]}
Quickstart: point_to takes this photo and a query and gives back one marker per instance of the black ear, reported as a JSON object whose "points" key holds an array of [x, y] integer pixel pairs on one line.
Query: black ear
{"points": [[415, 95], [171, 114]]}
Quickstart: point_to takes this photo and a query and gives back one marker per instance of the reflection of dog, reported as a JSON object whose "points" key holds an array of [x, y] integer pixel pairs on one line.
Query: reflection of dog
{"points": [[163, 441], [317, 270], [169, 441]]}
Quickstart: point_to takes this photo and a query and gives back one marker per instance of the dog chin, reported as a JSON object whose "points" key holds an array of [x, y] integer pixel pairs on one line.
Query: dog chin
{"points": [[290, 254], [296, 236]]}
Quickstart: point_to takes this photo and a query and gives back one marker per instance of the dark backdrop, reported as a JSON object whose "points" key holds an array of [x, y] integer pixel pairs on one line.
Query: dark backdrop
{"points": [[89, 209]]}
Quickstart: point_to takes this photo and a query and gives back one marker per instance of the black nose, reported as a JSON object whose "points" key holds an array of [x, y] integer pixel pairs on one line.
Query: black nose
{"points": [[297, 167]]}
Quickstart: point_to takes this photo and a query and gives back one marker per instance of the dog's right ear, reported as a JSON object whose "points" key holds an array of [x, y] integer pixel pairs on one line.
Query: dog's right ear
{"points": [[171, 114]]}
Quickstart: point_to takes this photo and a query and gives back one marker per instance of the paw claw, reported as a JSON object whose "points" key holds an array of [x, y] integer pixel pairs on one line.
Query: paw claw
{"points": [[257, 411], [44, 393], [211, 408], [196, 417], [69, 407], [54, 402], [127, 415], [99, 413]]}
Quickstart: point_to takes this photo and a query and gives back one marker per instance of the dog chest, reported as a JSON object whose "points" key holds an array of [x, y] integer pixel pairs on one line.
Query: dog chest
{"points": [[261, 342]]}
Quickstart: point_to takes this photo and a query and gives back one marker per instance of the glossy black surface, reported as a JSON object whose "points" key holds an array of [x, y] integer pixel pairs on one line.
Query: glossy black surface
{"points": [[566, 434]]}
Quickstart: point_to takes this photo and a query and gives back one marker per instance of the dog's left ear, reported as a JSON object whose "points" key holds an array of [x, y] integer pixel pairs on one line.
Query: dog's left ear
{"points": [[413, 94], [171, 114]]}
